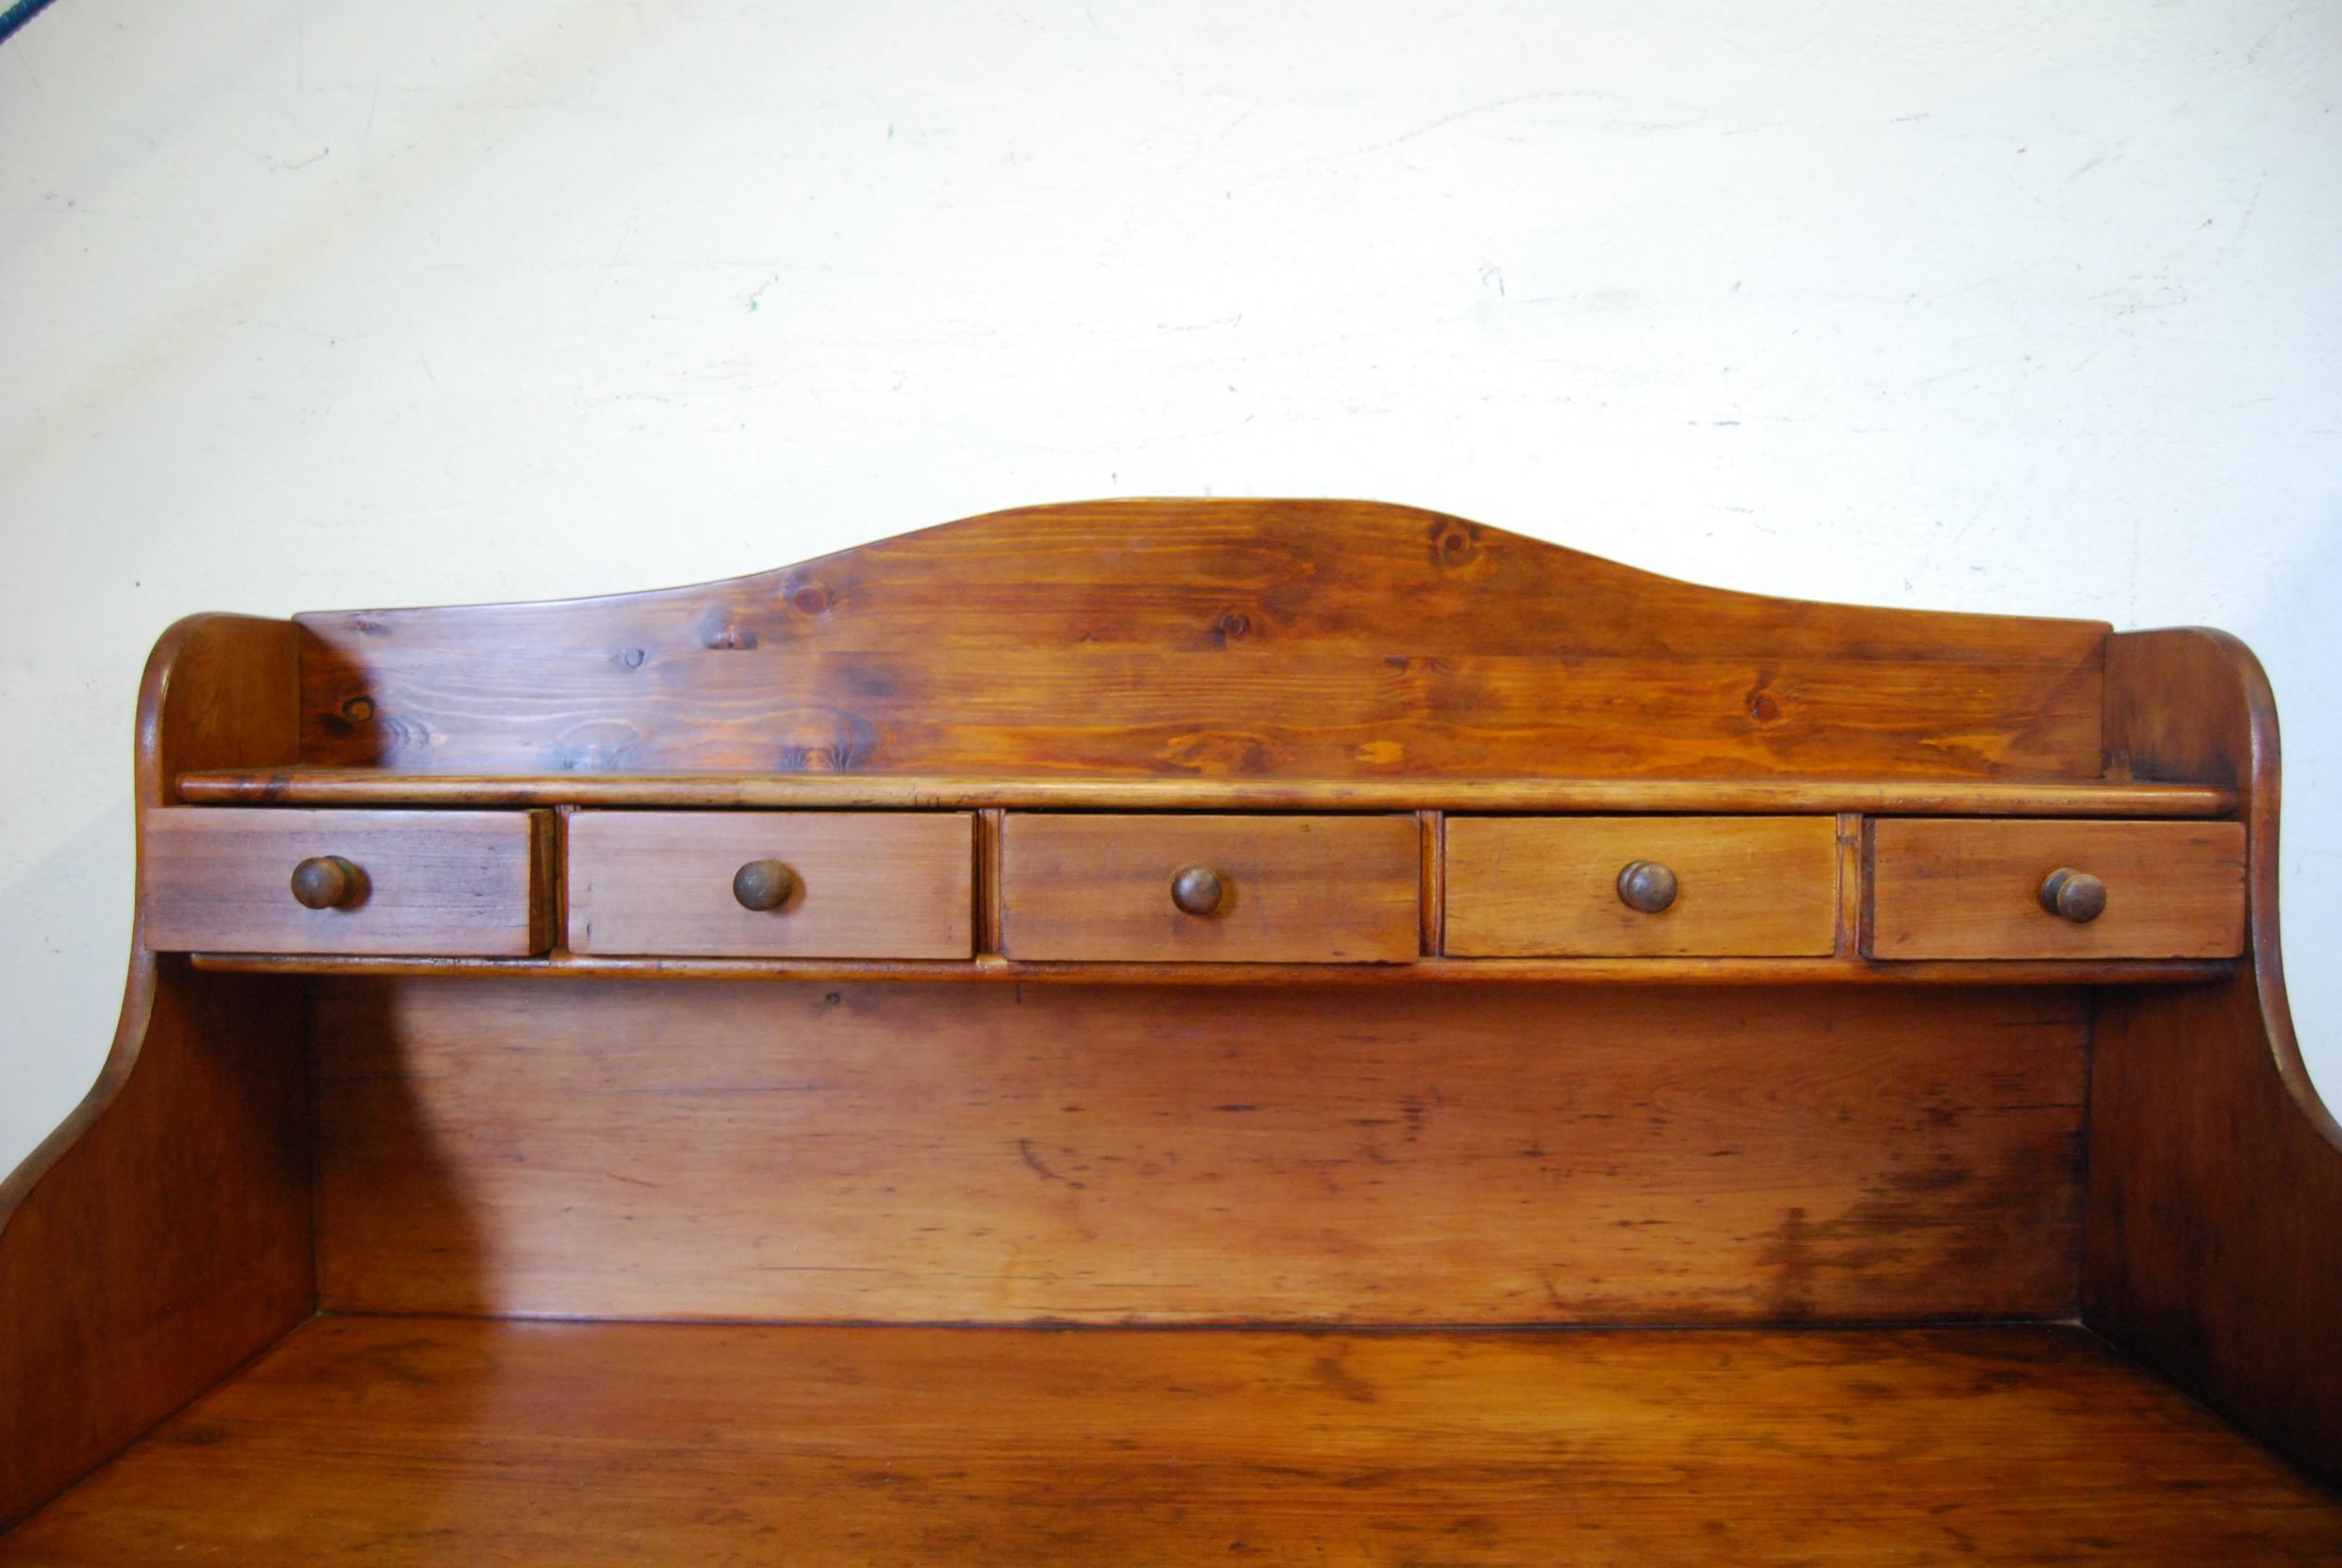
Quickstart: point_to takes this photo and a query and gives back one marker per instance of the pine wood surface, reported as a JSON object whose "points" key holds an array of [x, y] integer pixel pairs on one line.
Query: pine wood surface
{"points": [[865, 885], [1418, 1155], [2215, 1249], [408, 1442], [1843, 969], [1735, 1141], [1910, 797], [1747, 886], [1971, 889], [1158, 638], [445, 884], [1329, 890]]}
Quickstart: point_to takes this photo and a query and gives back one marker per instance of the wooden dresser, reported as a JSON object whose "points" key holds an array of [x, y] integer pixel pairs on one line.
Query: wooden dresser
{"points": [[1165, 1031]]}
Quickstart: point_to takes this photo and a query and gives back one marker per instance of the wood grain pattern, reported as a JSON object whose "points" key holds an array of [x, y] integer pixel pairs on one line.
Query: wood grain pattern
{"points": [[1746, 886], [1214, 637], [1224, 1136], [160, 1235], [414, 1442], [1333, 890], [990, 970], [1401, 1154], [1971, 889], [436, 882], [867, 884], [2214, 1239], [1910, 797]]}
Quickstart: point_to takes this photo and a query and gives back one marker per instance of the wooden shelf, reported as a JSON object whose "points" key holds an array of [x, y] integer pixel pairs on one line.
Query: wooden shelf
{"points": [[1372, 1261], [1513, 971], [1877, 797], [409, 1441]]}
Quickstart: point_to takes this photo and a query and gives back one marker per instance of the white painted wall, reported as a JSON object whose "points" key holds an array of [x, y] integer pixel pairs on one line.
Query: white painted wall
{"points": [[2006, 306]]}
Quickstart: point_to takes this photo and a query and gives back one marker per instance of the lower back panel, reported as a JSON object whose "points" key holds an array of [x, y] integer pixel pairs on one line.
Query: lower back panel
{"points": [[1464, 1155]]}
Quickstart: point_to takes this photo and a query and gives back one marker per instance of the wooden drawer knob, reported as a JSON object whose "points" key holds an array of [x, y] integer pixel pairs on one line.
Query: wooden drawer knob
{"points": [[326, 882], [2074, 895], [1646, 885], [1196, 890], [763, 884]]}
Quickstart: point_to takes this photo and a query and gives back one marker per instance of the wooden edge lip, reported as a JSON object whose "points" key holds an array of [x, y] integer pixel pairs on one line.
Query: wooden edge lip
{"points": [[1495, 796], [1712, 971]]}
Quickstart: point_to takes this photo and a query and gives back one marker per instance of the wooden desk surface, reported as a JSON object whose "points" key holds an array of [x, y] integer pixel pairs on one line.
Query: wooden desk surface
{"points": [[424, 1441]]}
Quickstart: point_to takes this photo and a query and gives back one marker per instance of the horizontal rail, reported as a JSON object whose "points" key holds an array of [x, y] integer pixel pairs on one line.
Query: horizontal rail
{"points": [[812, 791], [1584, 971]]}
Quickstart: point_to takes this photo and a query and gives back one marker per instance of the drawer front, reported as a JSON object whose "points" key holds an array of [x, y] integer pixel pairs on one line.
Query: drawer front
{"points": [[1972, 889], [1308, 890], [870, 884], [1523, 887], [405, 883]]}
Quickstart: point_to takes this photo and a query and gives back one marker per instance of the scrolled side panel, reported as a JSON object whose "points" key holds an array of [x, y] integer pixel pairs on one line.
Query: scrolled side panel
{"points": [[160, 1236], [2214, 1237]]}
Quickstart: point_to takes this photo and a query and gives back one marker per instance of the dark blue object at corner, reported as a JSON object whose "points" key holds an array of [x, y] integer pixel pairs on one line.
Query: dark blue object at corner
{"points": [[18, 15]]}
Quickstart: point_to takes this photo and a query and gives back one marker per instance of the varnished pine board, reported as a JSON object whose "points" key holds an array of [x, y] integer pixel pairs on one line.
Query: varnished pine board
{"points": [[1849, 970], [1314, 712], [454, 884], [1303, 890], [170, 1241], [406, 1443], [1151, 638], [1199, 1153], [1971, 889], [1206, 792], [1746, 886], [871, 884], [2215, 1249]]}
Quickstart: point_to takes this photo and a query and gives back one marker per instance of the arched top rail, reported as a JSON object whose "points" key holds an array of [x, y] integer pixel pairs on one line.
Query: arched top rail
{"points": [[1206, 638]]}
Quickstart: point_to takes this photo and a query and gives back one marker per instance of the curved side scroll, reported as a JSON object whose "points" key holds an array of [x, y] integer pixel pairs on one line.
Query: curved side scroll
{"points": [[2213, 1243], [160, 1235]]}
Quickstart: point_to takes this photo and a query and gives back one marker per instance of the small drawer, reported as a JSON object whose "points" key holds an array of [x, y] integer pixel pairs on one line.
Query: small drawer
{"points": [[1975, 889], [405, 883], [1248, 890], [773, 884], [1523, 887]]}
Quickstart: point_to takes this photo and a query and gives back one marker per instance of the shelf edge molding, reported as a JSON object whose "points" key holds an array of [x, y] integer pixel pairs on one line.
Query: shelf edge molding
{"points": [[1477, 972], [912, 791]]}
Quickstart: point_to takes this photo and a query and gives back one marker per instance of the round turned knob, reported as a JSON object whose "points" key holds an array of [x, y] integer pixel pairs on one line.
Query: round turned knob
{"points": [[763, 884], [1646, 885], [326, 882], [1196, 890], [2074, 895]]}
